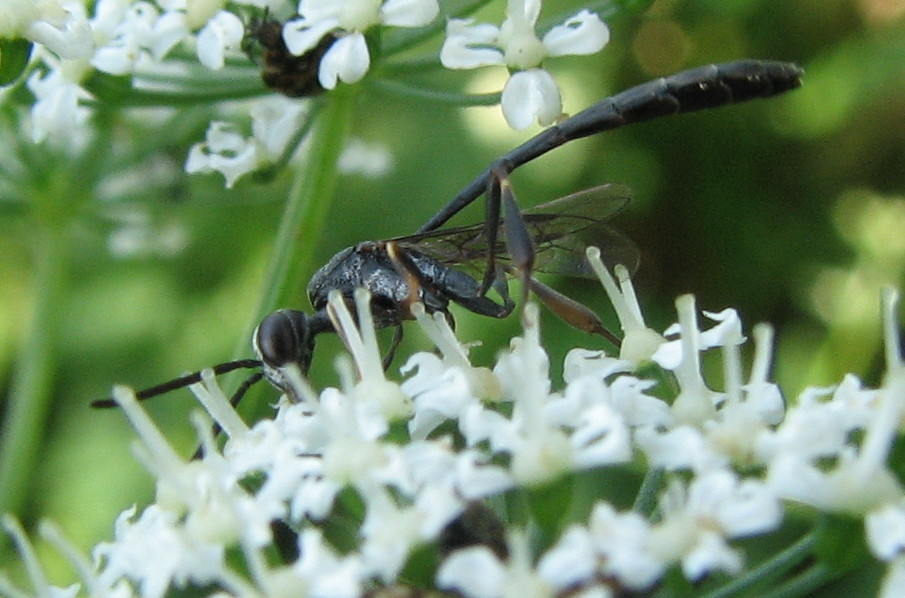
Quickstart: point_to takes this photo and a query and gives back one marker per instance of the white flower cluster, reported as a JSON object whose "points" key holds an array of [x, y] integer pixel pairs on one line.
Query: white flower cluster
{"points": [[122, 37], [150, 41], [348, 59], [530, 94], [399, 462]]}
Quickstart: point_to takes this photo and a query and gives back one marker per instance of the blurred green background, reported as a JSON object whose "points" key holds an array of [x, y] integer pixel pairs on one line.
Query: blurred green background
{"points": [[792, 210]]}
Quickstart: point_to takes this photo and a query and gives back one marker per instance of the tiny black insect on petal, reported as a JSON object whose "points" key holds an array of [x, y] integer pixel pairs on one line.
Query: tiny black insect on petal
{"points": [[282, 71], [477, 525]]}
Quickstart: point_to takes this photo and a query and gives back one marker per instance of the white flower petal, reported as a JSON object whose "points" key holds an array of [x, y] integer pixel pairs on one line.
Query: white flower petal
{"points": [[71, 39], [171, 28], [275, 121], [57, 114], [571, 562], [223, 32], [114, 60], [623, 542], [583, 33], [525, 12], [893, 585], [476, 479], [347, 60], [470, 46], [370, 160], [886, 531], [475, 572], [711, 554], [225, 151], [519, 41], [313, 11], [727, 332], [531, 96], [409, 13], [300, 36]]}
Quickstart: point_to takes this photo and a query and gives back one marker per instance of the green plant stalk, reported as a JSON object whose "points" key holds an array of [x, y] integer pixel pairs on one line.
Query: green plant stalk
{"points": [[438, 97], [767, 571], [646, 500], [30, 395], [307, 206], [816, 576]]}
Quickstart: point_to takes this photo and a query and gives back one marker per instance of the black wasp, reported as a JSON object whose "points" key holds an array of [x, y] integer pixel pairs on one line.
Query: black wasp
{"points": [[433, 268], [425, 266]]}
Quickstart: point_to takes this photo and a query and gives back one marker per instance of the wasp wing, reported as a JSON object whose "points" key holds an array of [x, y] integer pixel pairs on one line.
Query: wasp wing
{"points": [[561, 230]]}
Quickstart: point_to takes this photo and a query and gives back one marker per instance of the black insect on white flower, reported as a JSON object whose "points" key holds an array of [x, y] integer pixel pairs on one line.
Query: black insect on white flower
{"points": [[430, 266], [281, 70]]}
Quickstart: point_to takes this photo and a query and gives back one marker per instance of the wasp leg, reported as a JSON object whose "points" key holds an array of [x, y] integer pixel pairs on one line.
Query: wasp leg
{"points": [[499, 171], [182, 382], [484, 306], [416, 282], [462, 289], [450, 285], [391, 353], [407, 269], [519, 244]]}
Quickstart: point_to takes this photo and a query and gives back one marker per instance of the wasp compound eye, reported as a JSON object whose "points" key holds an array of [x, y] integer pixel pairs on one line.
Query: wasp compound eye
{"points": [[284, 337]]}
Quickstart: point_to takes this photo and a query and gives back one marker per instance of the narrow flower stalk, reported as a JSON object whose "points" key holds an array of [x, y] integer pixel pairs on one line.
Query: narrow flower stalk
{"points": [[157, 451], [530, 94], [36, 575], [217, 405], [362, 344], [695, 403], [639, 342]]}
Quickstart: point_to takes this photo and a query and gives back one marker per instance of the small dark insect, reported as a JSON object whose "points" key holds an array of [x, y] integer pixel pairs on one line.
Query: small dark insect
{"points": [[282, 71], [477, 525], [427, 266]]}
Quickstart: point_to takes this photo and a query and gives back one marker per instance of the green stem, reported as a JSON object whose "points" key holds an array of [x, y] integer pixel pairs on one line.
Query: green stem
{"points": [[118, 92], [646, 500], [768, 570], [437, 97], [307, 206], [804, 584], [310, 197], [29, 398]]}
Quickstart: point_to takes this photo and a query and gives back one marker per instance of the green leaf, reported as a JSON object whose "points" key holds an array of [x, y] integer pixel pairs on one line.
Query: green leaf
{"points": [[550, 504], [840, 542], [108, 88], [895, 460], [636, 6], [14, 55]]}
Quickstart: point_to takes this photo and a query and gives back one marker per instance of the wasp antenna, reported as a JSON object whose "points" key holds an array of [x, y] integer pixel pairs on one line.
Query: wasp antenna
{"points": [[243, 388], [182, 382]]}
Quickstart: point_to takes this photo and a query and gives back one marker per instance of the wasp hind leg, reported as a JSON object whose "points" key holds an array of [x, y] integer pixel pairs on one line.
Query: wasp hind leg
{"points": [[501, 207], [479, 303], [394, 344]]}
